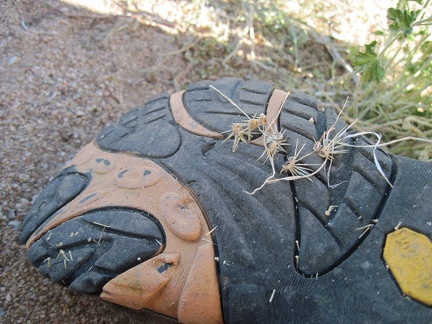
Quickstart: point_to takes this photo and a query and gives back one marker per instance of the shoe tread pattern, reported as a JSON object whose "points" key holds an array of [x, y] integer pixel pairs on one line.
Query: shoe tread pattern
{"points": [[86, 252], [353, 185], [213, 111], [249, 228], [146, 131], [59, 191]]}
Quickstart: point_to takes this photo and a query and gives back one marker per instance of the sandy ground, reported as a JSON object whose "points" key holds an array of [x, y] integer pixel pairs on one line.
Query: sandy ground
{"points": [[65, 73], [62, 79]]}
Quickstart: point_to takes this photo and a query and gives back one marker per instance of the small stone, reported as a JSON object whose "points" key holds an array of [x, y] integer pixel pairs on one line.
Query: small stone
{"points": [[15, 224], [12, 60], [12, 214]]}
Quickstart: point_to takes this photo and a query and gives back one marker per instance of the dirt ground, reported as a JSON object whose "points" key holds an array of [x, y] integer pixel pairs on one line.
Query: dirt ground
{"points": [[65, 73], [62, 79]]}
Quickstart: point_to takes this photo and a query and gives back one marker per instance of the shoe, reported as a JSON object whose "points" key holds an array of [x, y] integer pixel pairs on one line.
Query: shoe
{"points": [[158, 213]]}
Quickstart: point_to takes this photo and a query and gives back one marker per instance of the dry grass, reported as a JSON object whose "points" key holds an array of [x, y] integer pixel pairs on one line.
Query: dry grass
{"points": [[307, 46]]}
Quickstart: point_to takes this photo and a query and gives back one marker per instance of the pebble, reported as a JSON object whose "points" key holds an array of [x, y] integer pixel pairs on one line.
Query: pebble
{"points": [[15, 224], [12, 213], [12, 60]]}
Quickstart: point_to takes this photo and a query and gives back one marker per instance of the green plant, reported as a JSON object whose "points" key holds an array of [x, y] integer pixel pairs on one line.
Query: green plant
{"points": [[394, 93], [390, 89]]}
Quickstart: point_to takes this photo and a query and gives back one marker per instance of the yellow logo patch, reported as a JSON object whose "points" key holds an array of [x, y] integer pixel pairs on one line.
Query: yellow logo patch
{"points": [[409, 257]]}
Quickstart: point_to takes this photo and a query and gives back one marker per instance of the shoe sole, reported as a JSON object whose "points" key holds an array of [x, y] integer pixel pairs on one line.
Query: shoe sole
{"points": [[153, 214]]}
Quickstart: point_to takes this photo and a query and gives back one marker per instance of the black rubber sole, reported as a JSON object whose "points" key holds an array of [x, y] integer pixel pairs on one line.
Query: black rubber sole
{"points": [[285, 255]]}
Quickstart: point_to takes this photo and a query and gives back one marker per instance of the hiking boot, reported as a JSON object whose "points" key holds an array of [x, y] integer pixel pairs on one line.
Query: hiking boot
{"points": [[235, 202]]}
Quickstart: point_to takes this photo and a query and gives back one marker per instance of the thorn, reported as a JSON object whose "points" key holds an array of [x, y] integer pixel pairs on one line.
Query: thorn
{"points": [[49, 262], [272, 295], [214, 228], [100, 224], [330, 209], [365, 229]]}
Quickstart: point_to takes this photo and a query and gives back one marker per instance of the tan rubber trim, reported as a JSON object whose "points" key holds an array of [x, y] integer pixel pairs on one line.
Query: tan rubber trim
{"points": [[276, 101], [182, 281], [409, 257], [183, 118]]}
